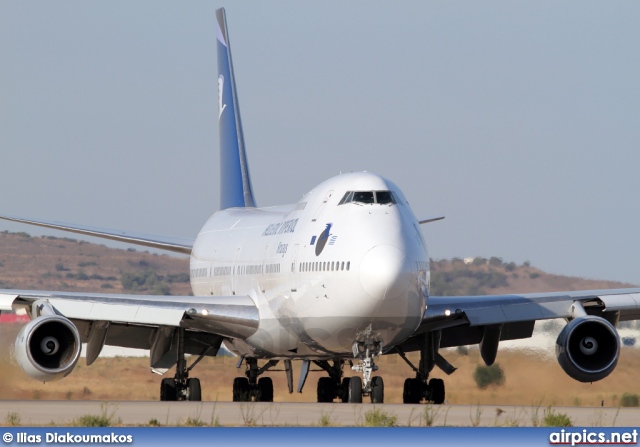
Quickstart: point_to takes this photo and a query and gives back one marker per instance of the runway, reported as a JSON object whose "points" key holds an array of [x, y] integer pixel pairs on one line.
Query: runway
{"points": [[302, 414]]}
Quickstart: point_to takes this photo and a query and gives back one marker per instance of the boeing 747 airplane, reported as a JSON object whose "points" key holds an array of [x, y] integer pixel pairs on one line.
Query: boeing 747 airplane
{"points": [[335, 280]]}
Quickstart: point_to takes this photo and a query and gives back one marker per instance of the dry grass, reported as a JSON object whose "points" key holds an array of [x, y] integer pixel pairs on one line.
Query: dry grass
{"points": [[30, 263], [529, 380]]}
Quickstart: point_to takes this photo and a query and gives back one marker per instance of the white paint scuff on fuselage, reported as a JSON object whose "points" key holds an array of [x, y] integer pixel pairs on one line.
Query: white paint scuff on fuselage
{"points": [[370, 277]]}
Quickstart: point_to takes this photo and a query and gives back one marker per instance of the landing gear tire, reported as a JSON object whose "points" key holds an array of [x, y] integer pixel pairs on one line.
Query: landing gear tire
{"points": [[437, 391], [412, 391], [265, 390], [355, 390], [345, 389], [194, 392], [326, 389], [377, 390], [241, 391], [168, 390]]}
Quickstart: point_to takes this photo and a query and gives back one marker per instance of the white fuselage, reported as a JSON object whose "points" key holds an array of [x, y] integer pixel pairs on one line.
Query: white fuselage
{"points": [[322, 274]]}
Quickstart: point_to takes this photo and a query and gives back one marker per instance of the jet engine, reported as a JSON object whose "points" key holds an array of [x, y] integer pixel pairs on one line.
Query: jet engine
{"points": [[588, 348], [48, 348]]}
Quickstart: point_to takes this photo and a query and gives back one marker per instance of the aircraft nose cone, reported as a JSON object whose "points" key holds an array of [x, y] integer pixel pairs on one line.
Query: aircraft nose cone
{"points": [[381, 272]]}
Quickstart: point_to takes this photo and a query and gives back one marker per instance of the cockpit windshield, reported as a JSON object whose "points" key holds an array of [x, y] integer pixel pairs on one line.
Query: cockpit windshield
{"points": [[368, 197]]}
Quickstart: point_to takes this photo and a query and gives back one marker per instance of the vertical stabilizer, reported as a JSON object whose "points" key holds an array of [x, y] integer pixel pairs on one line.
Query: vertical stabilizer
{"points": [[235, 183]]}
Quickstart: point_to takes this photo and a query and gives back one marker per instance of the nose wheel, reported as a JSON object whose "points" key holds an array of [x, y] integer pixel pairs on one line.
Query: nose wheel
{"points": [[365, 351]]}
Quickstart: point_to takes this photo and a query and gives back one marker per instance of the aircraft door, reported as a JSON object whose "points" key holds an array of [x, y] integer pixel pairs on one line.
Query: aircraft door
{"points": [[322, 205], [235, 272], [210, 277], [295, 268]]}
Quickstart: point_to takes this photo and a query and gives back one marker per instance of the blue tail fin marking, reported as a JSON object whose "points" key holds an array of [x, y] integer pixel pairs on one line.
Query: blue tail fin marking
{"points": [[235, 182]]}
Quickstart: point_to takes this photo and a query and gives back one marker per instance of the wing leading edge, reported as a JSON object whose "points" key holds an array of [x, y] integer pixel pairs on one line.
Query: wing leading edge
{"points": [[176, 245], [136, 321], [587, 348], [500, 309]]}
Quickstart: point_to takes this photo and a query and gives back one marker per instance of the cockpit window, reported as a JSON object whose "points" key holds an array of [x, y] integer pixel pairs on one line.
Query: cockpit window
{"points": [[363, 197], [384, 197], [348, 197], [368, 197]]}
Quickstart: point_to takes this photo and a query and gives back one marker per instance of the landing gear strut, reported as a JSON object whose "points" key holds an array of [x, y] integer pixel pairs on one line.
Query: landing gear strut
{"points": [[420, 387], [181, 387], [351, 389], [373, 387], [334, 386], [250, 388]]}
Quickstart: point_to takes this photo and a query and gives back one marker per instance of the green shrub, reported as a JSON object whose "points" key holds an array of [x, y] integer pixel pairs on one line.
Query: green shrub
{"points": [[194, 421], [147, 280], [86, 263], [179, 277], [105, 419], [92, 420], [12, 419], [553, 419], [488, 375], [379, 418], [629, 400]]}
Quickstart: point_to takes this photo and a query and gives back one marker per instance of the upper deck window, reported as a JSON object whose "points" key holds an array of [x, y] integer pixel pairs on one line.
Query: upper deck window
{"points": [[367, 197]]}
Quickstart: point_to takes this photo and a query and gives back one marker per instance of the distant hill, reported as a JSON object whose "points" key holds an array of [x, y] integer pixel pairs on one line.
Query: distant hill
{"points": [[53, 263], [482, 276]]}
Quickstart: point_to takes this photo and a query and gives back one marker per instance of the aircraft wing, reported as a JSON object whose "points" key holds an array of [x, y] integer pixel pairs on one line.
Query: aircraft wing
{"points": [[176, 245], [142, 321], [466, 320]]}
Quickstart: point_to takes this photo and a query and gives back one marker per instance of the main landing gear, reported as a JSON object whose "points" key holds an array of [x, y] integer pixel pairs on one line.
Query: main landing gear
{"points": [[250, 388], [181, 387], [420, 387]]}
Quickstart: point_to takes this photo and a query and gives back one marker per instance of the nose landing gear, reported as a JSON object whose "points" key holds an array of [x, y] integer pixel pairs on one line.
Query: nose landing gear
{"points": [[370, 386]]}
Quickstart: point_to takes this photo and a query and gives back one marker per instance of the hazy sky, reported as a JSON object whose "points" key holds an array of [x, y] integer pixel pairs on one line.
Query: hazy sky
{"points": [[519, 121]]}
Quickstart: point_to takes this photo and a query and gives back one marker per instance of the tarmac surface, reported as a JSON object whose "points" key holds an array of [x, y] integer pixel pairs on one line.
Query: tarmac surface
{"points": [[302, 414]]}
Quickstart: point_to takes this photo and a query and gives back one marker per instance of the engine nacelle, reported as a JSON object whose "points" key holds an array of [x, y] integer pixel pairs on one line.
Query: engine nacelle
{"points": [[588, 348], [48, 348]]}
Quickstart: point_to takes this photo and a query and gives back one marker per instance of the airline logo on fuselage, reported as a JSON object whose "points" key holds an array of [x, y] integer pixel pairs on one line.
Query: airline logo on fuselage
{"points": [[322, 239], [288, 226]]}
